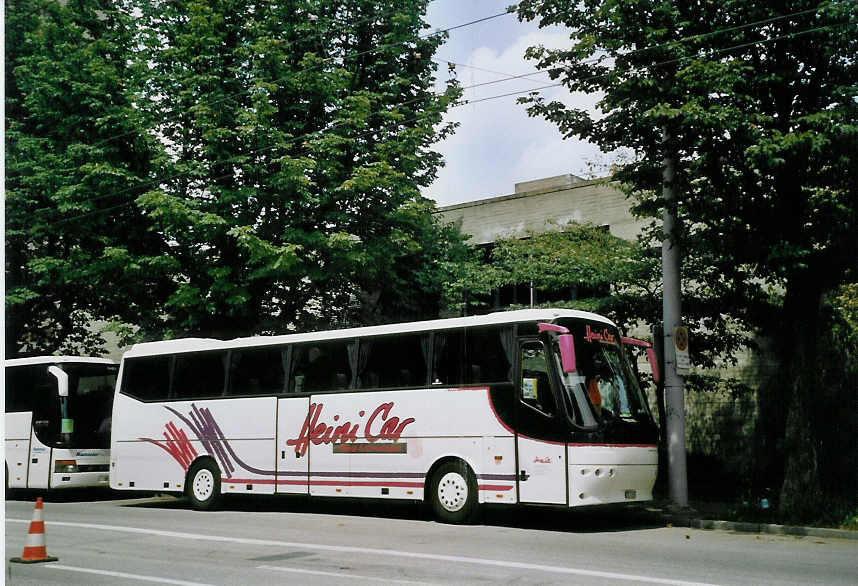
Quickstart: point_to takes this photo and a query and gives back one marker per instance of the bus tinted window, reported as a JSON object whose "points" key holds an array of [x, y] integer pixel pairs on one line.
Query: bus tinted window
{"points": [[490, 355], [396, 361], [147, 379], [447, 357], [196, 376], [535, 386], [260, 371], [19, 382], [90, 402], [323, 366]]}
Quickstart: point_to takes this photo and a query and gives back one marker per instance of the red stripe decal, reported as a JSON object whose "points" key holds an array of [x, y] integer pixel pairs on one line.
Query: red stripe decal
{"points": [[321, 482], [469, 389], [612, 446], [495, 413], [362, 483], [494, 487]]}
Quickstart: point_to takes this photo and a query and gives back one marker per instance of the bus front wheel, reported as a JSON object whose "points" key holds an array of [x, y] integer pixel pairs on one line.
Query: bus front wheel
{"points": [[454, 493], [203, 485]]}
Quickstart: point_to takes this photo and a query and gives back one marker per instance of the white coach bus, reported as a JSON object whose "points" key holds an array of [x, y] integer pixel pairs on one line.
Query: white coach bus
{"points": [[58, 421], [530, 406]]}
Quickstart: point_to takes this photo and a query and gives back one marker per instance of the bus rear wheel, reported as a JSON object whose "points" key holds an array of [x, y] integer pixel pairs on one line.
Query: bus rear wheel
{"points": [[203, 485], [454, 493]]}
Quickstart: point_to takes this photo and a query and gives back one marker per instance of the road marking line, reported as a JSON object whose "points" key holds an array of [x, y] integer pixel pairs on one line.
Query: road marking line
{"points": [[140, 577], [372, 579], [372, 551]]}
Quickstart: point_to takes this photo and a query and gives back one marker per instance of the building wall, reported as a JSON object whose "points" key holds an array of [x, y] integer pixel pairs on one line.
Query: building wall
{"points": [[545, 204]]}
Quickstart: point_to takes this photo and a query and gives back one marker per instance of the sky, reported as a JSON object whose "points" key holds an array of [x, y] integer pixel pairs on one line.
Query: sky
{"points": [[497, 144]]}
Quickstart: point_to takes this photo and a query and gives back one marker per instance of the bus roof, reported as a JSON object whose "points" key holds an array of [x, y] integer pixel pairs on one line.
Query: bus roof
{"points": [[201, 344], [57, 360]]}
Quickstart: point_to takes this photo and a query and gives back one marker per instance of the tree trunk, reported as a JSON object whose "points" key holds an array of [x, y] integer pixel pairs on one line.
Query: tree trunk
{"points": [[801, 493]]}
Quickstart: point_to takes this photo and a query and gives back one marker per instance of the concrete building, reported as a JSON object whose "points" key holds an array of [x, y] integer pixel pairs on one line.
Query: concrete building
{"points": [[540, 206], [545, 204]]}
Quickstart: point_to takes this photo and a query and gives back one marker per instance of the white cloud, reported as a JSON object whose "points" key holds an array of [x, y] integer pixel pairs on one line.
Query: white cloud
{"points": [[497, 144]]}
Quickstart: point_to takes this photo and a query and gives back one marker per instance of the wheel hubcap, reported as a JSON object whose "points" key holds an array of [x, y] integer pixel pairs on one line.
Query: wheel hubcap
{"points": [[452, 491], [203, 485]]}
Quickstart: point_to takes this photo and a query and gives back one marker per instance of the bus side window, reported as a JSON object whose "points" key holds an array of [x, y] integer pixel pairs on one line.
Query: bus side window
{"points": [[448, 358], [491, 354], [321, 367], [392, 361], [147, 379], [19, 382], [257, 371], [199, 375], [535, 388]]}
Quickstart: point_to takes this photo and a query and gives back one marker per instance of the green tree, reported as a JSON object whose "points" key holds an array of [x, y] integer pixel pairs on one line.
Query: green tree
{"points": [[299, 134], [219, 168], [580, 266], [759, 101], [73, 134]]}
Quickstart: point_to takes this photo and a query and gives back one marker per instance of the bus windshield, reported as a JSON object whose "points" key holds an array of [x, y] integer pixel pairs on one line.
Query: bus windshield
{"points": [[87, 407], [603, 376]]}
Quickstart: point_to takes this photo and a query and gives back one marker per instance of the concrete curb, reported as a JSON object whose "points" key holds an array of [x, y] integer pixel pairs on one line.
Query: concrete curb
{"points": [[693, 518], [763, 528]]}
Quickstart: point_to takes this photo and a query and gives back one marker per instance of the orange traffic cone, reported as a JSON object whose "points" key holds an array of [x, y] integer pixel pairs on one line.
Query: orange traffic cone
{"points": [[36, 550]]}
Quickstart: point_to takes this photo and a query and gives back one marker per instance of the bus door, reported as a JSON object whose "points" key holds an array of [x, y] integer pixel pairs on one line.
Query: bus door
{"points": [[540, 431], [39, 470], [46, 430], [19, 431], [293, 445]]}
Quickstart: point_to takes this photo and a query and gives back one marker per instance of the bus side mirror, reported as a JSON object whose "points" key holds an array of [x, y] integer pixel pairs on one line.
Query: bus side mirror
{"points": [[62, 380], [653, 364], [567, 352], [66, 424], [566, 342]]}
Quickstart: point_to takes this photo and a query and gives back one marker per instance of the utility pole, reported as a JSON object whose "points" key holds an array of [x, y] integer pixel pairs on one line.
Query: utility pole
{"points": [[674, 392]]}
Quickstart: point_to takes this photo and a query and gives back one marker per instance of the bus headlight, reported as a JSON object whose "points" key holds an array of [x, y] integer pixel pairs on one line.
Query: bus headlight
{"points": [[65, 466]]}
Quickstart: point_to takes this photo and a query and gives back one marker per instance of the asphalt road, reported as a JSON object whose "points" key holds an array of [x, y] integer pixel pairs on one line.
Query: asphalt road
{"points": [[100, 539]]}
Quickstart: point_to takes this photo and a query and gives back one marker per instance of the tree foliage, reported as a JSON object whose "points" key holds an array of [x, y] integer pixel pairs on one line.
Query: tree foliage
{"points": [[761, 108], [222, 168], [580, 266], [298, 136], [73, 135]]}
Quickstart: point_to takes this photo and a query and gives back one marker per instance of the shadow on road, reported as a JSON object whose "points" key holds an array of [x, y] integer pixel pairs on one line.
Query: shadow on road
{"points": [[590, 520], [72, 495]]}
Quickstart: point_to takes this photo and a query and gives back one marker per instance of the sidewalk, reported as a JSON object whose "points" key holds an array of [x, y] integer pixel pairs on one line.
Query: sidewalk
{"points": [[705, 516]]}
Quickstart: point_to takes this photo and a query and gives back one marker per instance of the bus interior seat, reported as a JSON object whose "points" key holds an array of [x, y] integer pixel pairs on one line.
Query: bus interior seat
{"points": [[370, 380], [340, 381], [404, 377], [476, 373]]}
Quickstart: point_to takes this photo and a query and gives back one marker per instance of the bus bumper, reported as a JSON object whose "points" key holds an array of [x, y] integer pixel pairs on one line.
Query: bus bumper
{"points": [[607, 474]]}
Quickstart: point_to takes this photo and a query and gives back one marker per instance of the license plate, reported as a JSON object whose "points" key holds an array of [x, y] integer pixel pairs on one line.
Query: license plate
{"points": [[631, 495]]}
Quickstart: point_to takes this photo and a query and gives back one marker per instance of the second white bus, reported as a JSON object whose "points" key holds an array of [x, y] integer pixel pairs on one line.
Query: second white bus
{"points": [[530, 406], [58, 421]]}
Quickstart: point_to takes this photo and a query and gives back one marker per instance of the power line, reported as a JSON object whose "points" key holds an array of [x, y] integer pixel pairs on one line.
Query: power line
{"points": [[321, 132], [672, 43], [327, 60], [508, 77], [291, 75], [672, 61], [156, 182]]}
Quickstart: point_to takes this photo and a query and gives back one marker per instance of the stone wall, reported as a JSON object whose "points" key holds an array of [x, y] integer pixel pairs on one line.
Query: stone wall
{"points": [[545, 204]]}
